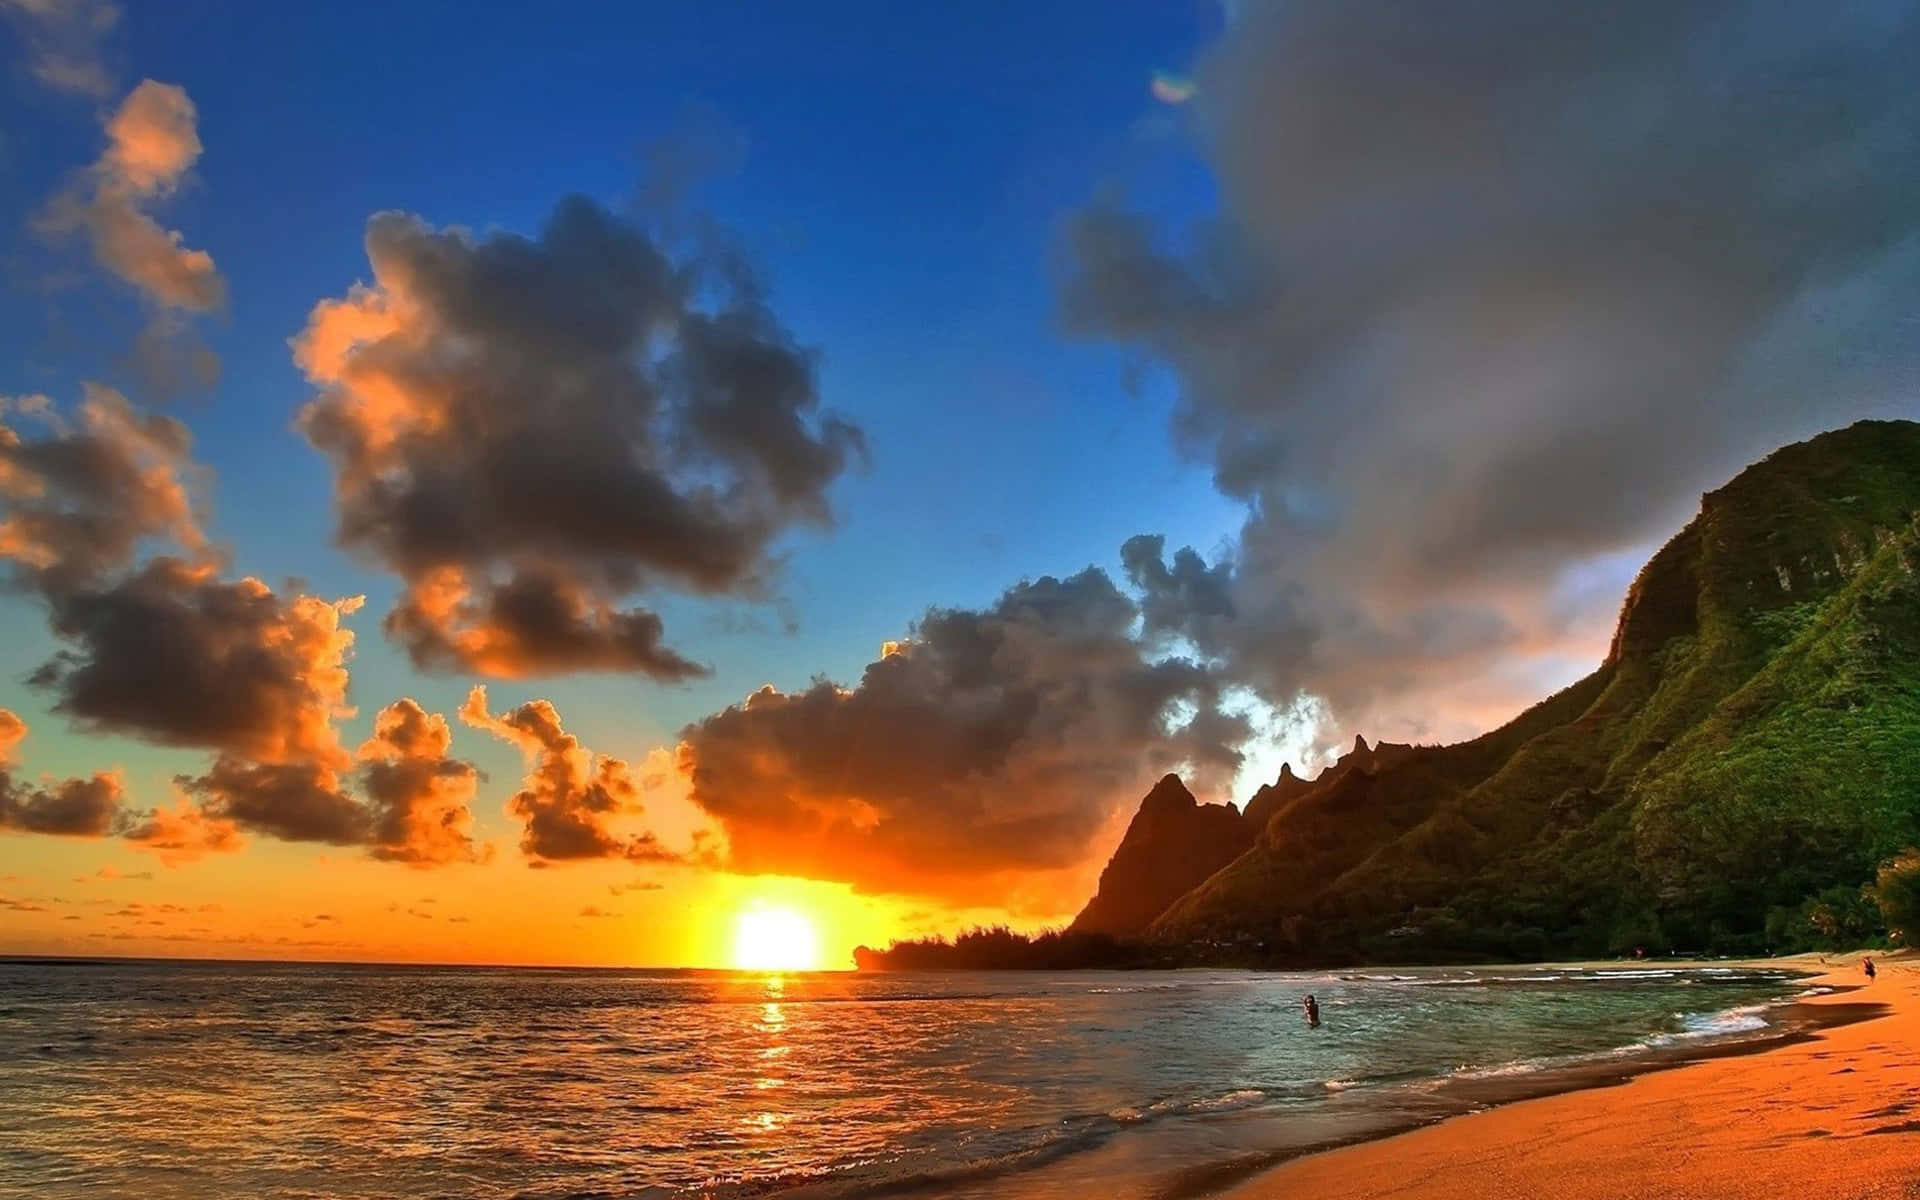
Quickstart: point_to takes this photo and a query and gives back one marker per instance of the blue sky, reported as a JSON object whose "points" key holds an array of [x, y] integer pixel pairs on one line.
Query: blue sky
{"points": [[899, 180]]}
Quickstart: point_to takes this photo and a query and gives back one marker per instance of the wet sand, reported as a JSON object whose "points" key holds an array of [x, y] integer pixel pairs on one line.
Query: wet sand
{"points": [[1828, 1112]]}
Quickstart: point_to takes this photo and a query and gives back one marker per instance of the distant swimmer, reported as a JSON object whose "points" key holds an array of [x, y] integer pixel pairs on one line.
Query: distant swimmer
{"points": [[1866, 964], [1313, 1012]]}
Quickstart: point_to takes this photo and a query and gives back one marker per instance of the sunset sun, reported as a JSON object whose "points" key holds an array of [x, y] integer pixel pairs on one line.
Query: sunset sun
{"points": [[775, 939]]}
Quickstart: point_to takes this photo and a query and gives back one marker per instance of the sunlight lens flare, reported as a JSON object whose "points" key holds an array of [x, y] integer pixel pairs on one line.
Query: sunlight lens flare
{"points": [[775, 939]]}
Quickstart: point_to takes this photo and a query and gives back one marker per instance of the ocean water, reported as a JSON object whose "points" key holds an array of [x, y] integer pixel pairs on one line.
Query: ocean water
{"points": [[164, 1080]]}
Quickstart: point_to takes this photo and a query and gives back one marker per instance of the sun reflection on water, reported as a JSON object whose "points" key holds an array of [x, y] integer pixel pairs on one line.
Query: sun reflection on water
{"points": [[772, 1027]]}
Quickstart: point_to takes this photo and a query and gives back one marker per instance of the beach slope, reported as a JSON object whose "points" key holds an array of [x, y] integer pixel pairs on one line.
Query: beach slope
{"points": [[1835, 1117]]}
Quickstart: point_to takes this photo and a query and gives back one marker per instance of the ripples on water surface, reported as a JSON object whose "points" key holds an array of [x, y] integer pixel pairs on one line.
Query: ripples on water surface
{"points": [[207, 1081]]}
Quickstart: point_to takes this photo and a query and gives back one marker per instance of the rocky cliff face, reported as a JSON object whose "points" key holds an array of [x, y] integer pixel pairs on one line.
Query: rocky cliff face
{"points": [[1272, 798], [1750, 749], [1173, 843]]}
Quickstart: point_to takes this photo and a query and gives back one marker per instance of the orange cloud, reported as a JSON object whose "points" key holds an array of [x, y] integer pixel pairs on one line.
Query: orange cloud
{"points": [[422, 799], [152, 143], [152, 140], [992, 746], [13, 731], [571, 797], [416, 807], [184, 833]]}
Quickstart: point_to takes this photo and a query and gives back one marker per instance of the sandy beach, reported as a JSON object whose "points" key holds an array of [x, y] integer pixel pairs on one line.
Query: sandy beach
{"points": [[1836, 1115]]}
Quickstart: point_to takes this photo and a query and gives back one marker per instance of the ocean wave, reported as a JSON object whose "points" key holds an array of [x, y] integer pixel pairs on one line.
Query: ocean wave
{"points": [[1236, 1099], [1695, 1028], [1484, 980], [1726, 1023]]}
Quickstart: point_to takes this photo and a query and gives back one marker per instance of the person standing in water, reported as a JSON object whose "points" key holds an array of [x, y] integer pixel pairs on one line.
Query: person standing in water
{"points": [[1313, 1012]]}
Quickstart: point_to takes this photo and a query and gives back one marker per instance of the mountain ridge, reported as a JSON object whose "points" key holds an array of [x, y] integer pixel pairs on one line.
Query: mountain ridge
{"points": [[1750, 744]]}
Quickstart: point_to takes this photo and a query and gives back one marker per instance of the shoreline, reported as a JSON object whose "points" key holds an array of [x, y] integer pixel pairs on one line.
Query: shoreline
{"points": [[1769, 1115]]}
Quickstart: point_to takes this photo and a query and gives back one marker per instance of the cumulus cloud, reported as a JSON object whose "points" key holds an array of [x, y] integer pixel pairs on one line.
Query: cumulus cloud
{"points": [[69, 808], [421, 798], [531, 431], [573, 803], [416, 806], [76, 502], [171, 650], [1494, 292], [292, 801], [989, 742], [65, 41], [167, 649], [175, 654], [183, 833]]}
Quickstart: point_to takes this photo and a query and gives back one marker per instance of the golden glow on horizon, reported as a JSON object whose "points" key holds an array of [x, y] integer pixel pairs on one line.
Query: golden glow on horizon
{"points": [[86, 899], [767, 938]]}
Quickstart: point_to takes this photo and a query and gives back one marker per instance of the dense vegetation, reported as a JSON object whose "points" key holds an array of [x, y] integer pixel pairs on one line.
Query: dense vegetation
{"points": [[1727, 782], [1000, 948]]}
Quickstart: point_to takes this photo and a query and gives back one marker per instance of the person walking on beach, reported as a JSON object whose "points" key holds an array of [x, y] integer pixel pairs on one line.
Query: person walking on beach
{"points": [[1866, 964], [1313, 1012]]}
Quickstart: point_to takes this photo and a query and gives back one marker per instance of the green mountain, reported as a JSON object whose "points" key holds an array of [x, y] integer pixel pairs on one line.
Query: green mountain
{"points": [[1727, 780]]}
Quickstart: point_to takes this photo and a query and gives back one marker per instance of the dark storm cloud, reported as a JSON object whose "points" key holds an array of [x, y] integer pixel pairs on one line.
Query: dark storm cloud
{"points": [[1497, 289], [572, 802], [529, 431], [989, 742]]}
